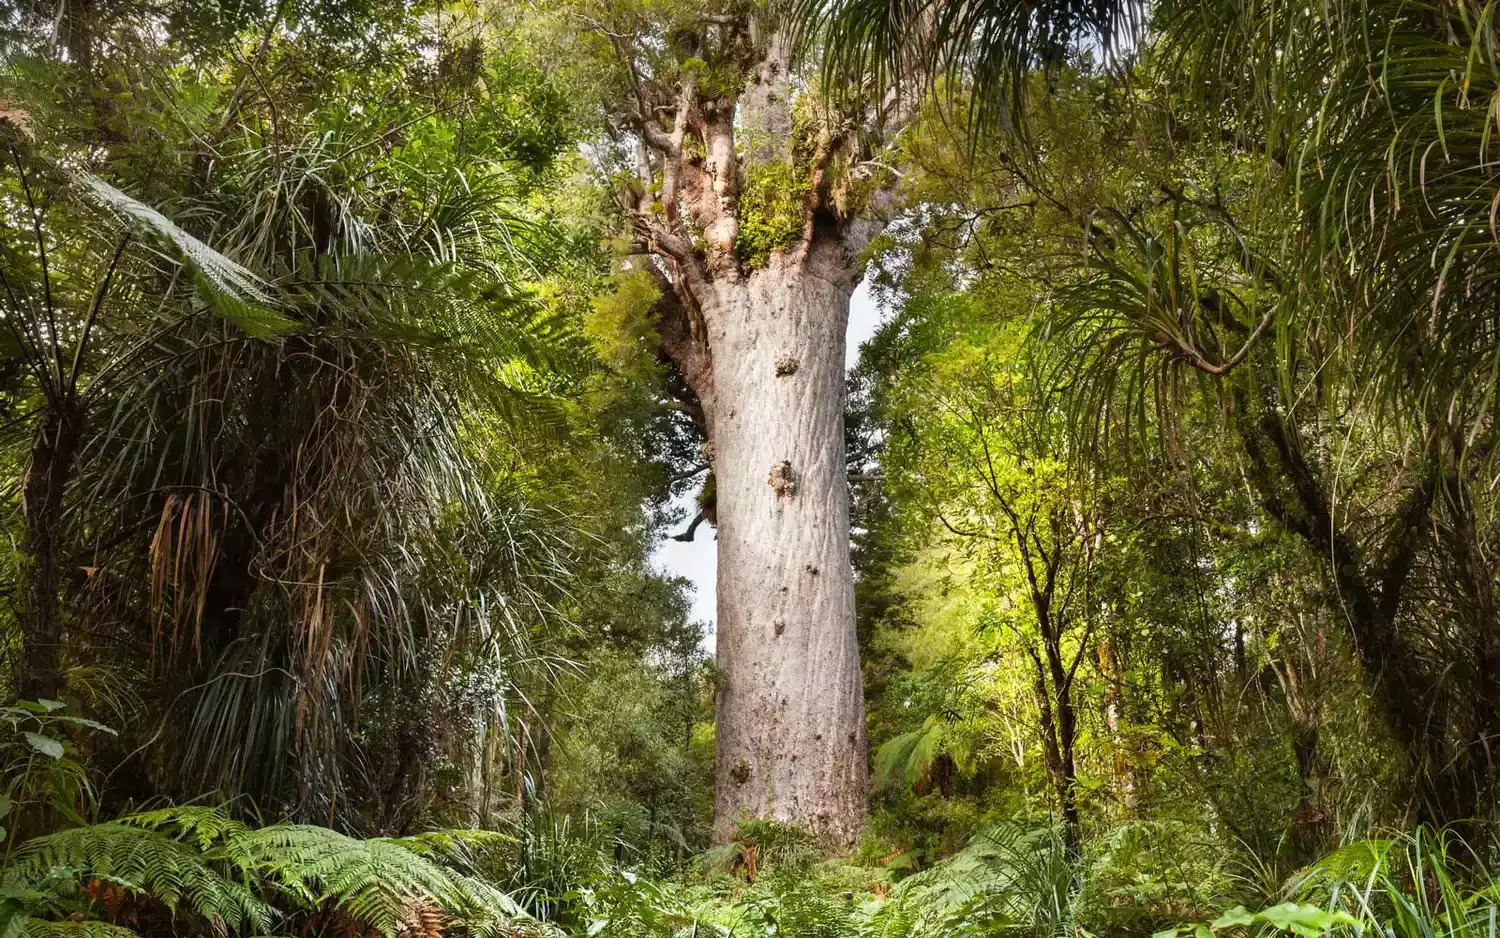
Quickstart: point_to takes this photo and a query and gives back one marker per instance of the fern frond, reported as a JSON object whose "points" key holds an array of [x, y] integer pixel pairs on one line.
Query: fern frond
{"points": [[489, 911], [227, 275], [203, 861], [37, 928], [202, 826], [908, 758], [145, 861], [231, 290], [374, 880], [454, 846]]}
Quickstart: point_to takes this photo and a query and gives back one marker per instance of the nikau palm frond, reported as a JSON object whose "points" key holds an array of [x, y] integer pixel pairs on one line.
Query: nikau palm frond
{"points": [[988, 46]]}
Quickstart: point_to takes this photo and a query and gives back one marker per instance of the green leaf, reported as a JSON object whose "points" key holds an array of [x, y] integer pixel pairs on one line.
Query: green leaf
{"points": [[91, 724], [45, 745], [50, 705], [1437, 115], [4, 805], [1237, 916], [1307, 920]]}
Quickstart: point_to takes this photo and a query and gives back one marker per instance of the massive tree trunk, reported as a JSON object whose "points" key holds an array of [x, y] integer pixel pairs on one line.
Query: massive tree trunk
{"points": [[790, 730], [756, 257]]}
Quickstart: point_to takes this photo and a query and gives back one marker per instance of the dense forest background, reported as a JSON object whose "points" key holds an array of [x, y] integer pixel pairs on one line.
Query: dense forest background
{"points": [[352, 362]]}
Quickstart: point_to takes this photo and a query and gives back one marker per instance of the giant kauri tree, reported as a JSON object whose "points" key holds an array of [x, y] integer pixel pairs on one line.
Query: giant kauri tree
{"points": [[749, 200]]}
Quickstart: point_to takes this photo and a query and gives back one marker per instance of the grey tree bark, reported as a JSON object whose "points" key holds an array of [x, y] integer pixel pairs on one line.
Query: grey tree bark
{"points": [[790, 727], [761, 344]]}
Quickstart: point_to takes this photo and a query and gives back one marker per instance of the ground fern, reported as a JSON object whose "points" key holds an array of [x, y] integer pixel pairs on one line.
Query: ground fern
{"points": [[203, 866]]}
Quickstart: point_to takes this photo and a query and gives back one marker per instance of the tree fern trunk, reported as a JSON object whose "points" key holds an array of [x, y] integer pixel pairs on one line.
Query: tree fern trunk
{"points": [[53, 454]]}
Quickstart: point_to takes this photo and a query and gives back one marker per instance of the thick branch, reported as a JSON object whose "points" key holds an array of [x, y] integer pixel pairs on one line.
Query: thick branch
{"points": [[692, 529], [682, 337], [672, 154]]}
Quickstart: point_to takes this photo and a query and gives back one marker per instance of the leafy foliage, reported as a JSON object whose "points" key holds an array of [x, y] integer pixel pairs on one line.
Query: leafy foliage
{"points": [[201, 865], [338, 452], [770, 213], [293, 355]]}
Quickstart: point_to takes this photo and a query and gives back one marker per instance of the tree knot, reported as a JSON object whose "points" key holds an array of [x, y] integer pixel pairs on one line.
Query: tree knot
{"points": [[783, 480], [786, 365]]}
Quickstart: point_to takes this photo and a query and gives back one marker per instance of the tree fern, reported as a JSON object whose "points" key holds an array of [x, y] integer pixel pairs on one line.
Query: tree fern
{"points": [[907, 759], [228, 275], [232, 290]]}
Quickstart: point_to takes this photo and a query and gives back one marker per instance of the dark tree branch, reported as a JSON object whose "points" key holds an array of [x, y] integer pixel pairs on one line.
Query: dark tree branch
{"points": [[94, 309], [687, 536]]}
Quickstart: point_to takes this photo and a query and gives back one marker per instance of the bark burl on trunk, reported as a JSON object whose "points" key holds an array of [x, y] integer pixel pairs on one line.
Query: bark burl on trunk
{"points": [[756, 258]]}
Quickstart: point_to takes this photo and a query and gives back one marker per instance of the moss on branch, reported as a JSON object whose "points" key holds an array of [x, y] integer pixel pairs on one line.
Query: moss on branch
{"points": [[771, 204]]}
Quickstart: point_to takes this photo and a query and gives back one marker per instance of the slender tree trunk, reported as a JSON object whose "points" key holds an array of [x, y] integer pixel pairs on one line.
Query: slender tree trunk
{"points": [[790, 732], [1122, 769], [52, 457], [1067, 736], [1058, 722]]}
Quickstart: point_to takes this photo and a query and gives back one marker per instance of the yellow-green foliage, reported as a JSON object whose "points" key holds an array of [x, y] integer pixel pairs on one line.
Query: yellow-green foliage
{"points": [[619, 323], [771, 204]]}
